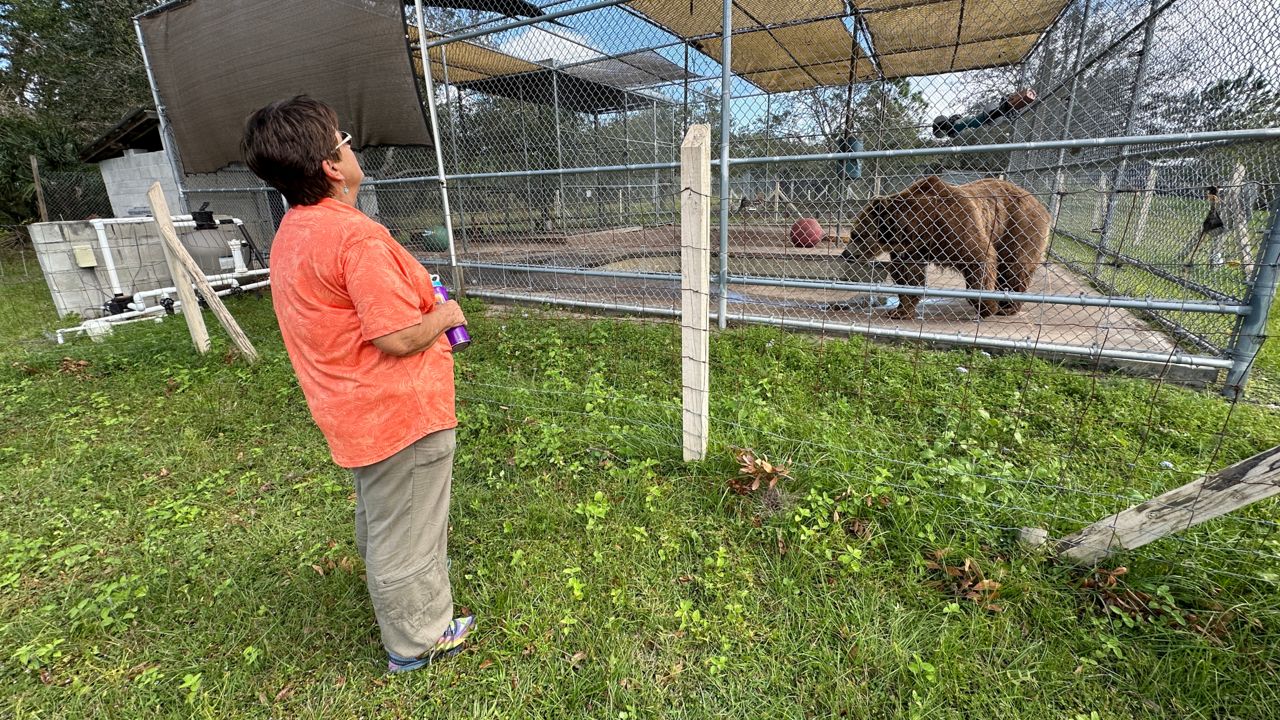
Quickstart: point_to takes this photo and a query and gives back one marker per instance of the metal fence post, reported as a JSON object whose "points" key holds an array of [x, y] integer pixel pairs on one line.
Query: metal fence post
{"points": [[167, 140], [726, 124], [1130, 125], [439, 151], [1055, 208], [1253, 327]]}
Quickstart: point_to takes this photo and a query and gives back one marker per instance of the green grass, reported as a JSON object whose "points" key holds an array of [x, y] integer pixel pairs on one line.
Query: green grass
{"points": [[175, 541]]}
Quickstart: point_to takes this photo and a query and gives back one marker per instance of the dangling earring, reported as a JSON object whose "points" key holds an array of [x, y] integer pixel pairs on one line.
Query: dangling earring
{"points": [[346, 190]]}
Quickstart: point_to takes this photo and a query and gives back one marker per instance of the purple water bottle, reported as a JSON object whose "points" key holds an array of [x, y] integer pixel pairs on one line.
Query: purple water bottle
{"points": [[458, 336]]}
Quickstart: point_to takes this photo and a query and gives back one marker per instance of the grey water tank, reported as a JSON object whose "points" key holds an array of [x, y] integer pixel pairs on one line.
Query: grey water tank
{"points": [[211, 249]]}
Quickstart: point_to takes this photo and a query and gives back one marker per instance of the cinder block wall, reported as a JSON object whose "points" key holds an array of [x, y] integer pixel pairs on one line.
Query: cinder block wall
{"points": [[135, 251], [129, 178]]}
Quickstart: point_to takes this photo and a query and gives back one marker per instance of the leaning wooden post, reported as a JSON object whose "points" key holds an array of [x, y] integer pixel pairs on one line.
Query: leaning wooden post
{"points": [[695, 287], [1244, 483], [177, 254], [181, 280]]}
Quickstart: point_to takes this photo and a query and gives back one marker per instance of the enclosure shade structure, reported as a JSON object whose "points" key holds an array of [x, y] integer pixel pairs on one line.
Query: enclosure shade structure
{"points": [[214, 63], [782, 47]]}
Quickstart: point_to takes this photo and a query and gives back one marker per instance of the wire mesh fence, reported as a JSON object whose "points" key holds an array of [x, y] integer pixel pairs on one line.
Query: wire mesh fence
{"points": [[1126, 219], [74, 194], [849, 209], [1083, 181]]}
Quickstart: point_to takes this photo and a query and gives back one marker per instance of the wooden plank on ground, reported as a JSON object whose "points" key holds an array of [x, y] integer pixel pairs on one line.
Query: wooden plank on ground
{"points": [[1232, 488]]}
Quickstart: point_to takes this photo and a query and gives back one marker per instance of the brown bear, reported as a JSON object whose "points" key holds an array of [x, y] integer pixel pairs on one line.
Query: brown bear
{"points": [[994, 232]]}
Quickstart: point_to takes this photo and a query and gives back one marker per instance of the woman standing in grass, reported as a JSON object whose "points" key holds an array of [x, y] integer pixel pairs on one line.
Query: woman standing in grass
{"points": [[364, 330]]}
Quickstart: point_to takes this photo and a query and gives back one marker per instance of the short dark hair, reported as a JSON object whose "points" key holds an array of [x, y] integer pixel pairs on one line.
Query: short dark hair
{"points": [[285, 143]]}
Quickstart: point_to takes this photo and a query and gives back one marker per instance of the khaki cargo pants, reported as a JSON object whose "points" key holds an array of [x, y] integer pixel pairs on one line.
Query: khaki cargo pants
{"points": [[402, 525]]}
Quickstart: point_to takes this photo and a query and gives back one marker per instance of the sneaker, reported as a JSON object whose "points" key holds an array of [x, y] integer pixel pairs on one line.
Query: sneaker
{"points": [[449, 644]]}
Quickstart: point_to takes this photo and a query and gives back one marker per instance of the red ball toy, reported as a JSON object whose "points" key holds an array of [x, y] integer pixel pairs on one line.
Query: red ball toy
{"points": [[806, 233]]}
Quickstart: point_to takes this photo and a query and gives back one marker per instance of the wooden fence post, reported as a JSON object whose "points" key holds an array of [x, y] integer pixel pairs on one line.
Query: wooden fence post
{"points": [[1244, 483], [1238, 218], [1100, 207], [35, 177], [1144, 210], [695, 287], [186, 265], [181, 279]]}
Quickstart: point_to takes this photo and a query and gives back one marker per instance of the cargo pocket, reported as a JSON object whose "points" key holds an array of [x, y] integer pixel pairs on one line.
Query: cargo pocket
{"points": [[413, 599]]}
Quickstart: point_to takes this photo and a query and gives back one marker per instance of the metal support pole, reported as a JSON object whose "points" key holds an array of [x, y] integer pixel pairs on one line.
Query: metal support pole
{"points": [[626, 158], [555, 107], [656, 177], [599, 184], [684, 119], [1139, 81], [726, 57], [528, 182], [1253, 327], [1071, 108], [166, 132], [768, 129], [454, 129], [435, 139]]}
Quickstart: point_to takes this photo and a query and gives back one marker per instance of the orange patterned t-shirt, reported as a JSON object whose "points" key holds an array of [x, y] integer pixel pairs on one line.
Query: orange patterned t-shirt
{"points": [[339, 280]]}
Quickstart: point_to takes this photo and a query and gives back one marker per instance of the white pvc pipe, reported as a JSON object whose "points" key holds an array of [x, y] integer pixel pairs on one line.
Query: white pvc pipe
{"points": [[237, 255], [108, 259], [118, 319], [99, 227], [139, 298], [148, 313]]}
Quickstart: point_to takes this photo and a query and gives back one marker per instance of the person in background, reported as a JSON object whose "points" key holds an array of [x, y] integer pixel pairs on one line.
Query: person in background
{"points": [[1211, 227], [364, 331]]}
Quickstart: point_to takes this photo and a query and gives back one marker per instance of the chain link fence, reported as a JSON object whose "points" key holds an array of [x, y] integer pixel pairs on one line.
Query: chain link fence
{"points": [[1080, 181], [563, 178], [560, 151], [74, 194], [1091, 189]]}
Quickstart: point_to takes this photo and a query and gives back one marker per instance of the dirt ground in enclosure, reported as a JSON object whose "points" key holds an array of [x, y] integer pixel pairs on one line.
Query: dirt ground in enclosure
{"points": [[764, 251]]}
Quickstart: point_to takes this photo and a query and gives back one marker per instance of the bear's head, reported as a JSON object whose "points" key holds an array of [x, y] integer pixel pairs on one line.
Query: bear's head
{"points": [[873, 231]]}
